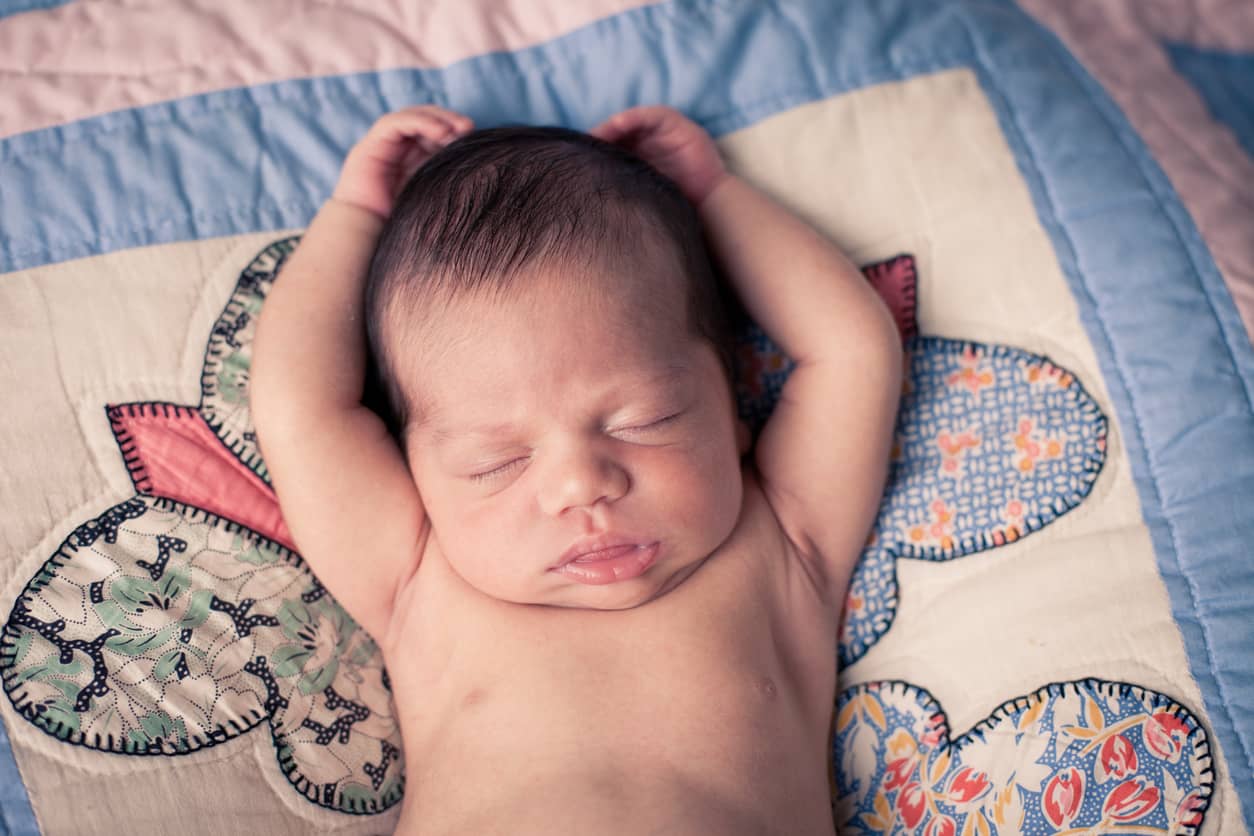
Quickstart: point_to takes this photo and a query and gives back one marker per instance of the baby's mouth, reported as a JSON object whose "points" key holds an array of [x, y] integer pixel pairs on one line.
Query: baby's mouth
{"points": [[606, 554], [600, 547], [607, 564]]}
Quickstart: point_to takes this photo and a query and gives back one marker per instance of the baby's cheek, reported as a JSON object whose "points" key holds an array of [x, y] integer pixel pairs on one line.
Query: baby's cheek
{"points": [[722, 485], [490, 523], [492, 550], [472, 525], [699, 484]]}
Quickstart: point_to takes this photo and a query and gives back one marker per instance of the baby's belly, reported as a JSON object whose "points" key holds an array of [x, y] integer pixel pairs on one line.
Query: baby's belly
{"points": [[728, 753]]}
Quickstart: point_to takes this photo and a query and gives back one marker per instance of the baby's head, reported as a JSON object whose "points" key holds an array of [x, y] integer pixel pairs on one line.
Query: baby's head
{"points": [[554, 351]]}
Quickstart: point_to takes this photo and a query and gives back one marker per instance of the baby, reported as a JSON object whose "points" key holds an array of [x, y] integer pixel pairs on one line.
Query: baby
{"points": [[599, 614]]}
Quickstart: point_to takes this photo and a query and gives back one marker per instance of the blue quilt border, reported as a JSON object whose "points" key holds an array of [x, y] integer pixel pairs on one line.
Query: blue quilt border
{"points": [[13, 7], [1193, 487], [1225, 81], [17, 818]]}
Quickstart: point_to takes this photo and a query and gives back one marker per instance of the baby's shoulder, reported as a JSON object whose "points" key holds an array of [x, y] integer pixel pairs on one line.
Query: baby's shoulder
{"points": [[756, 511], [761, 532]]}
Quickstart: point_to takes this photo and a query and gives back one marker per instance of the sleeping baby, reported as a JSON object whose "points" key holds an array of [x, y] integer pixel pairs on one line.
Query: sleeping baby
{"points": [[603, 607]]}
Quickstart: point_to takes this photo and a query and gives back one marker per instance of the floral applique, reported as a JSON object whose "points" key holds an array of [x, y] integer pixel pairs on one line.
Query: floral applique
{"points": [[1074, 757], [181, 618], [971, 374]]}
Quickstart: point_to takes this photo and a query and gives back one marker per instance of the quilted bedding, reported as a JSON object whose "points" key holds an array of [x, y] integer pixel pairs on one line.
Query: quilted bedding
{"points": [[1051, 627]]}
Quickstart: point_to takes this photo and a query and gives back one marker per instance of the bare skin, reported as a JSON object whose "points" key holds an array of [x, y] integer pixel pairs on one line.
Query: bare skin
{"points": [[670, 702], [690, 688], [706, 710]]}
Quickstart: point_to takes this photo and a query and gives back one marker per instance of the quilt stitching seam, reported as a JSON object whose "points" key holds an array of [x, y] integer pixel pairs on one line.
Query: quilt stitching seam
{"points": [[1188, 244], [881, 72], [992, 85]]}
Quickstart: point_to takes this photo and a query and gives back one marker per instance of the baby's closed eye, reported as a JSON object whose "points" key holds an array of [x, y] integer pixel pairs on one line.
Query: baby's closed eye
{"points": [[648, 426], [500, 470], [651, 429], [497, 470]]}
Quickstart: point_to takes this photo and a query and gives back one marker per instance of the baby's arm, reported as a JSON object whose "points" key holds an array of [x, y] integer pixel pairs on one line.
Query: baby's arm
{"points": [[823, 455], [342, 483]]}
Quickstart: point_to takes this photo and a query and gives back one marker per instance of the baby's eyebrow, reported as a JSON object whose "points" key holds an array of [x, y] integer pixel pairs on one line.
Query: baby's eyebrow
{"points": [[440, 435]]}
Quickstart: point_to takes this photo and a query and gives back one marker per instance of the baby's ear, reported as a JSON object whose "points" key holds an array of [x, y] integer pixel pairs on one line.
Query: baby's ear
{"points": [[744, 438]]}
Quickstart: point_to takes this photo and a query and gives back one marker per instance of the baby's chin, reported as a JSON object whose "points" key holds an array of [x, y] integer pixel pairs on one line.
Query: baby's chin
{"points": [[656, 583], [559, 592]]}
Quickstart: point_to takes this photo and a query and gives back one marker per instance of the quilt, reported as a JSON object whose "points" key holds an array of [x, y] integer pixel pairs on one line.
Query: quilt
{"points": [[1050, 628]]}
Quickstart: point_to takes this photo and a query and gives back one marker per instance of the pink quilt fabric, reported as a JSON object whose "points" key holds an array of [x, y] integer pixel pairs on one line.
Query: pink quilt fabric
{"points": [[1122, 43], [122, 55]]}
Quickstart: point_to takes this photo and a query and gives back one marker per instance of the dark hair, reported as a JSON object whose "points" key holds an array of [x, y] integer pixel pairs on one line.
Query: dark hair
{"points": [[498, 201]]}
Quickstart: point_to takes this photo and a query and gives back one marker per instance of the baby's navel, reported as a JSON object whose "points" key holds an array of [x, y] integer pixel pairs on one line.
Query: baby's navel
{"points": [[473, 697]]}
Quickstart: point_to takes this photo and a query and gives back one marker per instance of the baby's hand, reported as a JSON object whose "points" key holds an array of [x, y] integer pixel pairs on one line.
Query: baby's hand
{"points": [[394, 148], [670, 142]]}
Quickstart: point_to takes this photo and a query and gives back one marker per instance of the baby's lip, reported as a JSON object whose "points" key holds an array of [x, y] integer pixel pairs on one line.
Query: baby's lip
{"points": [[587, 546]]}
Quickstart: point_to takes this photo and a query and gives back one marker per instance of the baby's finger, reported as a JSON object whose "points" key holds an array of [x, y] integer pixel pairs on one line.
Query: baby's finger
{"points": [[458, 123], [452, 117], [428, 122], [606, 131], [634, 124], [399, 127], [618, 126]]}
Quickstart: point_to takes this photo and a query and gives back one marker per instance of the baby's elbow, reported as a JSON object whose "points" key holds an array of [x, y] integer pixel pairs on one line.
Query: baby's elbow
{"points": [[894, 362], [894, 354], [881, 343]]}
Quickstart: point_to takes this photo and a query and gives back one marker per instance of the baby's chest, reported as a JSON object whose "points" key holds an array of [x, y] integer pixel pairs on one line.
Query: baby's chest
{"points": [[724, 662]]}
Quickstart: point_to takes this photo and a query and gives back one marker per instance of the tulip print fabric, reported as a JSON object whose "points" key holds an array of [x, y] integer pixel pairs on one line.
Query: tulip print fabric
{"points": [[1048, 630], [1083, 757]]}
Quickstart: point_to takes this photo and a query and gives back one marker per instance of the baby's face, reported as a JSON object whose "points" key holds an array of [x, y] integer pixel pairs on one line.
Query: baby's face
{"points": [[562, 417]]}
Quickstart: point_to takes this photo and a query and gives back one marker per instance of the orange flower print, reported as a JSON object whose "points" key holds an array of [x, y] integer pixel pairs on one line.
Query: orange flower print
{"points": [[952, 449], [1047, 373], [971, 374], [939, 532], [1033, 447], [853, 603], [1013, 513]]}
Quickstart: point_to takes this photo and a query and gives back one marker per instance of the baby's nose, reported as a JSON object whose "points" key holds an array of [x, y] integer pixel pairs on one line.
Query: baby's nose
{"points": [[582, 478]]}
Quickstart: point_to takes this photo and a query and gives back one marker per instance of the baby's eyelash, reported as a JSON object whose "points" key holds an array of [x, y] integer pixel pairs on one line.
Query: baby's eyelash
{"points": [[652, 424], [496, 471], [501, 470]]}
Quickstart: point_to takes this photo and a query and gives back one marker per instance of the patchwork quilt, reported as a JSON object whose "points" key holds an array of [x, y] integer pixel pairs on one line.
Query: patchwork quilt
{"points": [[1051, 628]]}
